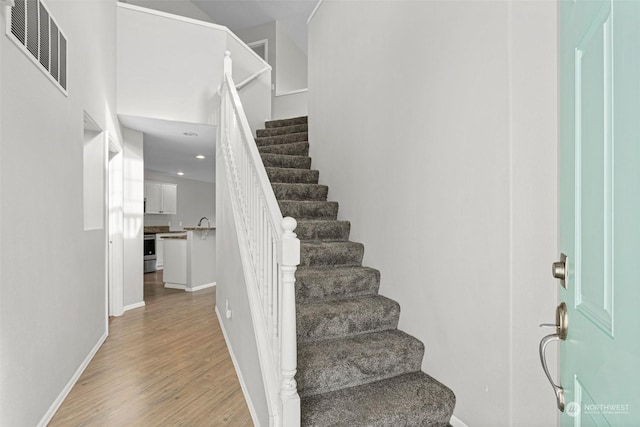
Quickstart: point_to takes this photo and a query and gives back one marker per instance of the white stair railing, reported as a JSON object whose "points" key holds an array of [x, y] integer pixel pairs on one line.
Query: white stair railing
{"points": [[274, 252]]}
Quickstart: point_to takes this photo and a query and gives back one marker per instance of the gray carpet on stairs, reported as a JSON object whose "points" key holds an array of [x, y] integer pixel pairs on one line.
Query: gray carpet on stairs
{"points": [[355, 368]]}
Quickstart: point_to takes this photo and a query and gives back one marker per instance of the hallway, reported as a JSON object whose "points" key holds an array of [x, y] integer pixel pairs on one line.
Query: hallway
{"points": [[165, 364]]}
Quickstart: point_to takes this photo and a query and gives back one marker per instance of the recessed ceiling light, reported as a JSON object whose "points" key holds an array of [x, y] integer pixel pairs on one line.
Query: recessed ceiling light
{"points": [[190, 134], [180, 173], [200, 156]]}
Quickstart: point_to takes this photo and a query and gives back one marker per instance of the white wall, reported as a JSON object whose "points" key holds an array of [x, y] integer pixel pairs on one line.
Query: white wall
{"points": [[170, 68], [195, 200], [52, 271], [434, 124], [263, 32], [292, 63], [163, 71], [184, 8], [255, 96], [133, 210], [289, 69], [293, 104]]}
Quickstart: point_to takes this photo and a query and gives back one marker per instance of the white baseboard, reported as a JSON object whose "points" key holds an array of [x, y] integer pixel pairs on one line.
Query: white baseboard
{"points": [[243, 386], [174, 286], [201, 287], [456, 422], [67, 388], [132, 306]]}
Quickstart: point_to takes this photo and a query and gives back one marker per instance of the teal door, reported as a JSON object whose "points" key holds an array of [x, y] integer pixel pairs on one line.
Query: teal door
{"points": [[599, 163]]}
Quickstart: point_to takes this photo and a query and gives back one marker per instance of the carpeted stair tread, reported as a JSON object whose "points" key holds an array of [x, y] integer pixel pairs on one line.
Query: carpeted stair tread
{"points": [[287, 191], [300, 209], [325, 230], [408, 400], [302, 120], [330, 365], [282, 139], [346, 317], [293, 176], [331, 253], [315, 284], [291, 149], [282, 130], [284, 161]]}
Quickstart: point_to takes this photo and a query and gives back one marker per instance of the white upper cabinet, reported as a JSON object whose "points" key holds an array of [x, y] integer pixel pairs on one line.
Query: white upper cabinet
{"points": [[160, 198], [169, 198]]}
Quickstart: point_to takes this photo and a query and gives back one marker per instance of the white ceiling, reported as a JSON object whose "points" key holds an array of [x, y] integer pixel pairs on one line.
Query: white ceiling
{"points": [[168, 150]]}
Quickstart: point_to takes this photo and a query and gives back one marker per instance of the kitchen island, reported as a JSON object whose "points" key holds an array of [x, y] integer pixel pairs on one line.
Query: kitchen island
{"points": [[190, 261]]}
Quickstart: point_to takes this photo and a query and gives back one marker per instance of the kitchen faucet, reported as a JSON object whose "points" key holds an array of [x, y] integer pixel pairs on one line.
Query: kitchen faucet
{"points": [[208, 222]]}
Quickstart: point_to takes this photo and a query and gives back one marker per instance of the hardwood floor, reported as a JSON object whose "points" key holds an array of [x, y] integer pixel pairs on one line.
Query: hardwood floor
{"points": [[165, 364]]}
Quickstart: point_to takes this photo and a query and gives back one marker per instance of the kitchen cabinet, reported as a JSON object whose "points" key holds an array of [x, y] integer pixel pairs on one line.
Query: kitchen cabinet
{"points": [[190, 259], [160, 198], [175, 265], [160, 247]]}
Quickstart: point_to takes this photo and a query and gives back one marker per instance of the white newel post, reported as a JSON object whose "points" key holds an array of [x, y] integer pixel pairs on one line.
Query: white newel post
{"points": [[289, 259]]}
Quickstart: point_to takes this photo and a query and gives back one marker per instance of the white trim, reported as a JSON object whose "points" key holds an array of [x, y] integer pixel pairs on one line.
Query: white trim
{"points": [[132, 306], [251, 51], [456, 422], [169, 285], [201, 287], [67, 388], [264, 42], [293, 92], [313, 12], [191, 21], [243, 385], [7, 3], [172, 16]]}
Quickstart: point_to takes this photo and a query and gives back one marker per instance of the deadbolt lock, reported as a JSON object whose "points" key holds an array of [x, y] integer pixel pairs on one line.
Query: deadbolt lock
{"points": [[560, 270]]}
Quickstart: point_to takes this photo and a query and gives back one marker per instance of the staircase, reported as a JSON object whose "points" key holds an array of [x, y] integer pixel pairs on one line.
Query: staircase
{"points": [[355, 368]]}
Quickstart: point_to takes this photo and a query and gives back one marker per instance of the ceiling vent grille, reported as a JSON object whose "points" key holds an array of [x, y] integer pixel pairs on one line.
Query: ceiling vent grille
{"points": [[37, 33]]}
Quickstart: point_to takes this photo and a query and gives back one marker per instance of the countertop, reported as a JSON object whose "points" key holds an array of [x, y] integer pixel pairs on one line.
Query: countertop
{"points": [[181, 237], [198, 228]]}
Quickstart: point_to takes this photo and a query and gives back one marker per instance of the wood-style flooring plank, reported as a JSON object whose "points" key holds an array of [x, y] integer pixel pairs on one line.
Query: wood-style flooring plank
{"points": [[165, 364]]}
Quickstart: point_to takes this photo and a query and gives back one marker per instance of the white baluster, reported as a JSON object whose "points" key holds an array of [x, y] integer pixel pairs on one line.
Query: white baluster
{"points": [[270, 283], [289, 259], [227, 63]]}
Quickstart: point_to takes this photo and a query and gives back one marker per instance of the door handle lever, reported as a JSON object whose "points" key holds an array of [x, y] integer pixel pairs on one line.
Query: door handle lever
{"points": [[561, 325]]}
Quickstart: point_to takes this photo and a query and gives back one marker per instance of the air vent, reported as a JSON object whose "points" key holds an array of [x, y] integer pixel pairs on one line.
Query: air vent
{"points": [[36, 32], [18, 23]]}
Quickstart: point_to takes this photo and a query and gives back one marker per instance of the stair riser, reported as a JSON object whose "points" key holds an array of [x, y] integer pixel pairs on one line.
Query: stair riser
{"points": [[317, 285], [286, 122], [292, 176], [367, 359], [282, 139], [309, 210], [285, 162], [333, 231], [319, 255], [283, 130], [300, 191], [345, 318], [293, 149]]}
